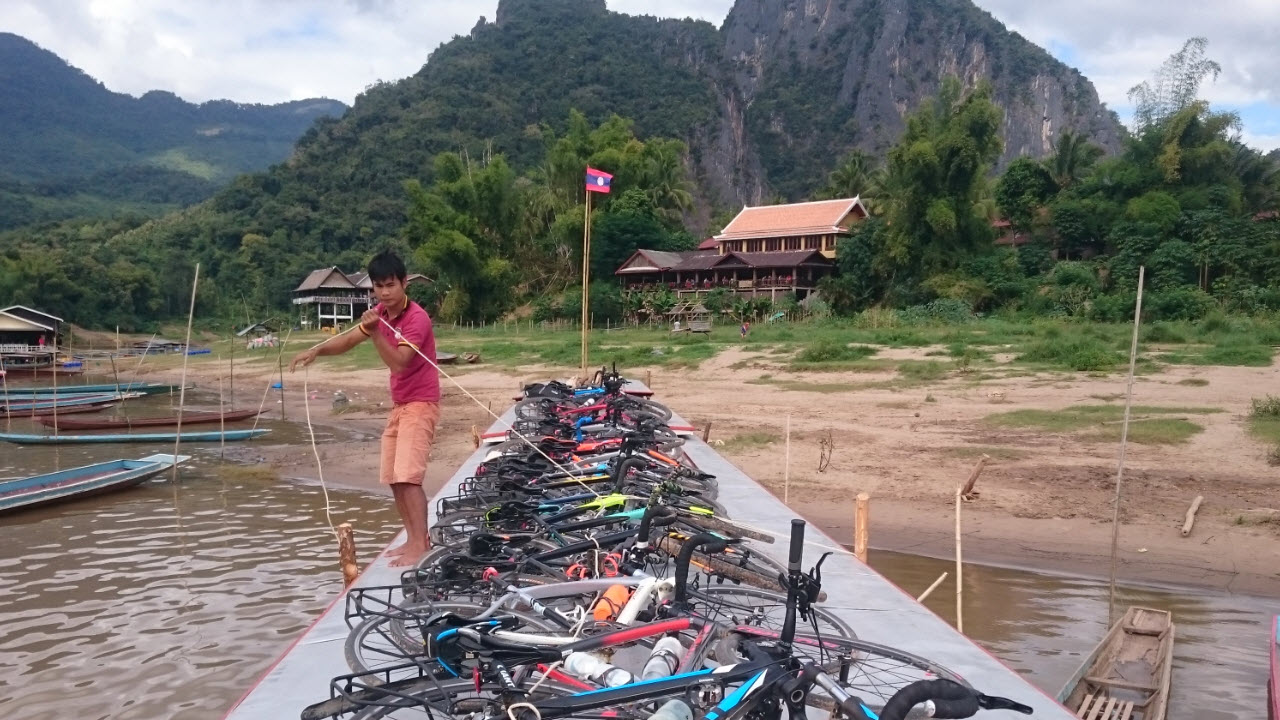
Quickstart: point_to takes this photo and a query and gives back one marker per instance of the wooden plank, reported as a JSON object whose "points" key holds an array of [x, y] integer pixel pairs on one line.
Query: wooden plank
{"points": [[1111, 704], [1125, 710], [1084, 706], [1122, 684], [1096, 712]]}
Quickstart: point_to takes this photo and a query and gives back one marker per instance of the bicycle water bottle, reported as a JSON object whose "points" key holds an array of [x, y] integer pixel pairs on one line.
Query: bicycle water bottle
{"points": [[673, 710], [664, 659], [589, 667]]}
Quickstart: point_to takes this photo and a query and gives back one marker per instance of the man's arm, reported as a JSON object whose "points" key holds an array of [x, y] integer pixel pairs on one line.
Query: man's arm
{"points": [[333, 346], [396, 357]]}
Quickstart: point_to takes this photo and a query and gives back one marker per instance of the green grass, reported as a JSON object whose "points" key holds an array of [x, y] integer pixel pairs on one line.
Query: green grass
{"points": [[1100, 422], [804, 386], [923, 371], [1193, 382], [1234, 353], [749, 441], [1078, 352], [1264, 424]]}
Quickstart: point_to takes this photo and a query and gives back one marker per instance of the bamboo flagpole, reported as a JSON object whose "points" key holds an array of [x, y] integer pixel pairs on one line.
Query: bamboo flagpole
{"points": [[186, 356], [596, 181], [1124, 441], [586, 274]]}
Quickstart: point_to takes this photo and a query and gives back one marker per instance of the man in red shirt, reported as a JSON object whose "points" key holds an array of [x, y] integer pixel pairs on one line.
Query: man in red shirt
{"points": [[415, 393]]}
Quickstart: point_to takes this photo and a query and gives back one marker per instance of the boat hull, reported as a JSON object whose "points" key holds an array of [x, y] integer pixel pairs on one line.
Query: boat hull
{"points": [[1132, 667], [201, 418], [47, 392], [81, 482], [197, 437], [1273, 683]]}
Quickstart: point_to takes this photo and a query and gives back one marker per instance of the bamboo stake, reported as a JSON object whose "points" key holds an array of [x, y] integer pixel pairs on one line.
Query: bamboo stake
{"points": [[932, 587], [347, 554], [116, 374], [186, 355], [786, 468], [222, 419], [968, 492], [706, 431], [959, 569], [280, 365], [861, 526], [8, 411], [1124, 441], [1191, 515], [233, 371]]}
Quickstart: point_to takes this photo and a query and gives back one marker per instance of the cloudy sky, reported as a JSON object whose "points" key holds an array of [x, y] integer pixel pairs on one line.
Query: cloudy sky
{"points": [[276, 50]]}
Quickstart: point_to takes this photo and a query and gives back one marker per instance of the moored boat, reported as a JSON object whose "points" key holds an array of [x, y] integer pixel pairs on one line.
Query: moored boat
{"points": [[58, 411], [145, 388], [26, 406], [190, 418], [82, 482], [186, 437], [1127, 676], [1273, 683]]}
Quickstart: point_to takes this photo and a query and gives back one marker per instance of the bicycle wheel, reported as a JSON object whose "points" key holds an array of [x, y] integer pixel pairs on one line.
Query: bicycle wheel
{"points": [[868, 670], [753, 607], [394, 640], [449, 699]]}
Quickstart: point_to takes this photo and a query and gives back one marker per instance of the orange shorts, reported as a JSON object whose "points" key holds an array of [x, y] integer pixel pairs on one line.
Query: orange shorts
{"points": [[406, 443]]}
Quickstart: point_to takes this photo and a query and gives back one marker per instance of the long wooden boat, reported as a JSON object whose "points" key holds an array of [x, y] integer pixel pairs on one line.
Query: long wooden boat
{"points": [[145, 388], [58, 411], [1273, 682], [191, 418], [42, 370], [1127, 677], [17, 406], [82, 482], [187, 437]]}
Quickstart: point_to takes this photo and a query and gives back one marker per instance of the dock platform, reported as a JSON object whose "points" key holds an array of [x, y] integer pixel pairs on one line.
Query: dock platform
{"points": [[875, 608]]}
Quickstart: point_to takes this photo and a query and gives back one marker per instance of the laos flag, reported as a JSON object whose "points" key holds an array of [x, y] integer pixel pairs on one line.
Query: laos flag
{"points": [[598, 180]]}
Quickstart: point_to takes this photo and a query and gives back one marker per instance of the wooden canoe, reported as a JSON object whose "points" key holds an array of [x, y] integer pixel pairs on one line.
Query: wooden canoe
{"points": [[58, 411], [1127, 676], [48, 391], [1273, 683], [444, 358], [81, 482], [191, 418], [187, 437], [41, 370]]}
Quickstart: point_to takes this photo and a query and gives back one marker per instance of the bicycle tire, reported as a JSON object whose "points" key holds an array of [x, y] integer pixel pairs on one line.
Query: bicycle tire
{"points": [[738, 605]]}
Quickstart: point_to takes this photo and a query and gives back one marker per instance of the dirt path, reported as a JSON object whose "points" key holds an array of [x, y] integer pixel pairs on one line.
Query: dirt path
{"points": [[1045, 498]]}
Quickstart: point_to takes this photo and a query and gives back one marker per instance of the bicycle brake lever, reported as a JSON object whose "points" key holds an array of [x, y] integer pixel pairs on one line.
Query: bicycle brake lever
{"points": [[990, 702]]}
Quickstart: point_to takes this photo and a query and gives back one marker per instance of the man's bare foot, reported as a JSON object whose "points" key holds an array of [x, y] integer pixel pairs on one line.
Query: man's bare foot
{"points": [[408, 555]]}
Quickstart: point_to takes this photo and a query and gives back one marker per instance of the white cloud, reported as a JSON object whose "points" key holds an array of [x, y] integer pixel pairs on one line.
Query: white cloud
{"points": [[274, 50]]}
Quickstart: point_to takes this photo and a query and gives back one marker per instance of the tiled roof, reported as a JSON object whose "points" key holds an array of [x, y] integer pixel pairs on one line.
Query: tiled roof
{"points": [[326, 278], [809, 218], [709, 244], [787, 259], [650, 260]]}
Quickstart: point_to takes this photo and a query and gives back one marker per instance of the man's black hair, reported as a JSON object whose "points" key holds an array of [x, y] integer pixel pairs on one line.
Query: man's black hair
{"points": [[385, 266]]}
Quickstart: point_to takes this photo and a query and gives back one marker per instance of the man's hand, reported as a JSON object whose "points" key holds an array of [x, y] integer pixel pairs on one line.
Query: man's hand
{"points": [[369, 320], [303, 359]]}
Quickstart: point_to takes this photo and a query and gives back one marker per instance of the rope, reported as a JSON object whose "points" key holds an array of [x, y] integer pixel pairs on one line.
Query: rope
{"points": [[399, 337], [306, 403]]}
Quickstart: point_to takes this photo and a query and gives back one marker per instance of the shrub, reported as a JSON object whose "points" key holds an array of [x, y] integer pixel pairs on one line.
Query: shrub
{"points": [[832, 351], [1267, 407], [943, 311], [1163, 332], [1077, 353], [1184, 303]]}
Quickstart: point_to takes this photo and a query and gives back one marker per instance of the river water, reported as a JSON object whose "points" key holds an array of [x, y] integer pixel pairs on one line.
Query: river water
{"points": [[169, 599]]}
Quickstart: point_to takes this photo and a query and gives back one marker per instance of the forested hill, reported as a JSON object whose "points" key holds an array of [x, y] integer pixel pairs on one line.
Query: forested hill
{"points": [[71, 146]]}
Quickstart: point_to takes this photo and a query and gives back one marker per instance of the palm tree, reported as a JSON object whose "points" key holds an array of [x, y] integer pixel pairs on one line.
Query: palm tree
{"points": [[668, 184], [1073, 155], [853, 176]]}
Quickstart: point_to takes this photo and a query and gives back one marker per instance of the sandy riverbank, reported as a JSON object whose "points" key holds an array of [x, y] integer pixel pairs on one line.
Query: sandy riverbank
{"points": [[1045, 499]]}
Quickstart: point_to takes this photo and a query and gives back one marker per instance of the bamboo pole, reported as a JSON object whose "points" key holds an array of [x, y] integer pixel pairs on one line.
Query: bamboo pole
{"points": [[786, 467], [1124, 441], [959, 569], [586, 275], [233, 371], [222, 418], [186, 355], [8, 411], [861, 526], [932, 587], [280, 366], [347, 554]]}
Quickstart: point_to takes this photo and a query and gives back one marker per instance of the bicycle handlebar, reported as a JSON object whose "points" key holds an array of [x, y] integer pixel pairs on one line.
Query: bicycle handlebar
{"points": [[949, 699]]}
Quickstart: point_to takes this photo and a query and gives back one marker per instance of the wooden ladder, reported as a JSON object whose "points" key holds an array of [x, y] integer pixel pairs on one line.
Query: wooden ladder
{"points": [[1101, 706]]}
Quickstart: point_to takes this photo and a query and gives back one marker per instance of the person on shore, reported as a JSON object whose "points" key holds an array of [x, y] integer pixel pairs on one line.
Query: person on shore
{"points": [[415, 393], [746, 328]]}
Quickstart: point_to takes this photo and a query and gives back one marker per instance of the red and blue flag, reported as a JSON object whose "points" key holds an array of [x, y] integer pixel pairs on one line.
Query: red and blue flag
{"points": [[598, 180]]}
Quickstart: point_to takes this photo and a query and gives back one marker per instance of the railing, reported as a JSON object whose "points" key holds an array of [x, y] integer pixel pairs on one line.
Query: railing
{"points": [[310, 299], [14, 348]]}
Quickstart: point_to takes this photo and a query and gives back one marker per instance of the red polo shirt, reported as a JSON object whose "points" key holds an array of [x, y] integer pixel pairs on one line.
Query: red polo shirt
{"points": [[419, 381]]}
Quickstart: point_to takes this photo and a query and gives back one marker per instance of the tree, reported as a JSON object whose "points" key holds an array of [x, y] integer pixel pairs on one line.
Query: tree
{"points": [[941, 164], [1024, 187], [854, 176], [1073, 155], [1176, 84]]}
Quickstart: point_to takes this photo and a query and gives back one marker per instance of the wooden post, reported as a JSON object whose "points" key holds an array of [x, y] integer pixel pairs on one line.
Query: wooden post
{"points": [[861, 526], [475, 437], [959, 569], [706, 431], [968, 493], [233, 371], [648, 379], [786, 467], [182, 391], [280, 365], [1124, 441], [347, 554], [932, 587], [1191, 515]]}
